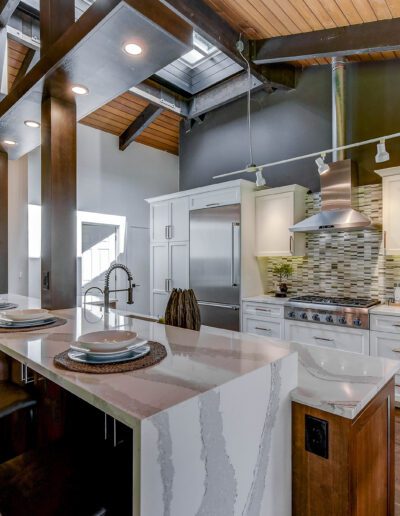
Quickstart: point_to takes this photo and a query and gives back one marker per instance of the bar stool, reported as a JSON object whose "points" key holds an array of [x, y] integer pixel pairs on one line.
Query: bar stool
{"points": [[14, 398]]}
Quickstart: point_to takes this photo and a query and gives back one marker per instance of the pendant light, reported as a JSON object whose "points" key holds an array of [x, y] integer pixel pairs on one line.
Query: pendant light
{"points": [[322, 166]]}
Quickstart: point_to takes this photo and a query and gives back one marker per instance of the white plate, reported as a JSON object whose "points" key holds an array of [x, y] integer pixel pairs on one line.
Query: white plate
{"points": [[32, 314], [107, 340], [78, 356], [78, 346]]}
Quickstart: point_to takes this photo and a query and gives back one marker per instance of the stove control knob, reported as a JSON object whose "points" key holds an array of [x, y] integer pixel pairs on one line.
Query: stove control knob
{"points": [[303, 315], [342, 320], [357, 322], [329, 319], [292, 315], [316, 317]]}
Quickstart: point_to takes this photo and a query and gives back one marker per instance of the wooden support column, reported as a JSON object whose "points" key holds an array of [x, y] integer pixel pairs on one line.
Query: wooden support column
{"points": [[3, 223], [58, 152]]}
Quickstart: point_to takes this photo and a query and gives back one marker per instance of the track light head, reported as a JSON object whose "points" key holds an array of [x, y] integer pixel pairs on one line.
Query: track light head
{"points": [[260, 181], [322, 166], [382, 154]]}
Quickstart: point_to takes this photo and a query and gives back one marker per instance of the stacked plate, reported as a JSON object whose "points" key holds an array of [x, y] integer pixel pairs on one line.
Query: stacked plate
{"points": [[5, 305], [109, 346], [25, 318]]}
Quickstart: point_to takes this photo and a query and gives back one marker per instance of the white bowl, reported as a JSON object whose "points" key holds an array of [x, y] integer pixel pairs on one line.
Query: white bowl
{"points": [[32, 314], [107, 340]]}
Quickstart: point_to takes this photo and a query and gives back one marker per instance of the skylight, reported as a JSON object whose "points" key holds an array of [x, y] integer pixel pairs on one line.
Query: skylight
{"points": [[202, 50]]}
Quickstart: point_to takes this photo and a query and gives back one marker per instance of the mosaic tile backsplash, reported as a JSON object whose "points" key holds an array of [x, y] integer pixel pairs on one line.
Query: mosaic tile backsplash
{"points": [[344, 263]]}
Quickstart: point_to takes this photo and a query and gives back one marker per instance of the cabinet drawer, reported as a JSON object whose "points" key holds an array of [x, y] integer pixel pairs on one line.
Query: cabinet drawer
{"points": [[263, 309], [386, 345], [264, 326], [385, 323], [217, 198], [356, 341]]}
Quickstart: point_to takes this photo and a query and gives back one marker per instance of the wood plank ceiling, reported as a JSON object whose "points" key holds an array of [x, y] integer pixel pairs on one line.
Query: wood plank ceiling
{"points": [[259, 19], [118, 114], [16, 56]]}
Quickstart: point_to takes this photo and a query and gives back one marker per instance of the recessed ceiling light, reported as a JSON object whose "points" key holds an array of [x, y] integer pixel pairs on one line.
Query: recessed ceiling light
{"points": [[9, 142], [32, 123], [80, 90], [133, 49]]}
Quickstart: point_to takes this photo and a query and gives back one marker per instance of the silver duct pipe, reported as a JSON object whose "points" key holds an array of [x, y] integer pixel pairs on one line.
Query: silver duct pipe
{"points": [[338, 107]]}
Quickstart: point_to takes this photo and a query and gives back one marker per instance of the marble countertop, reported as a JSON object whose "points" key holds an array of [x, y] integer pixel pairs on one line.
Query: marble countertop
{"points": [[267, 298], [335, 381], [196, 363], [385, 309]]}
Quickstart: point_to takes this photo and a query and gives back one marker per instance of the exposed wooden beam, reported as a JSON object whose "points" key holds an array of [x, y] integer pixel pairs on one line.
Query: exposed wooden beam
{"points": [[31, 57], [149, 114], [364, 38], [3, 223], [58, 167], [7, 7], [222, 94], [218, 32]]}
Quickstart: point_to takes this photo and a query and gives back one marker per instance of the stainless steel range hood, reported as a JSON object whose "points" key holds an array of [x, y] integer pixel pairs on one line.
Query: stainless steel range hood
{"points": [[337, 210]]}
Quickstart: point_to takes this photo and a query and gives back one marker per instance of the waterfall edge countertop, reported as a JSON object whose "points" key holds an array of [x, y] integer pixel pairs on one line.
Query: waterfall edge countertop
{"points": [[335, 381]]}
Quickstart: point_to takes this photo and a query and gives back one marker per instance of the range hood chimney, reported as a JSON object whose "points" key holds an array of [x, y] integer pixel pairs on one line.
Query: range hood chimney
{"points": [[338, 211]]}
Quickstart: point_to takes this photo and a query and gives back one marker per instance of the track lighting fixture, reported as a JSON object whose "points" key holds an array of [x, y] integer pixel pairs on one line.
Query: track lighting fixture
{"points": [[382, 154], [322, 166], [260, 181]]}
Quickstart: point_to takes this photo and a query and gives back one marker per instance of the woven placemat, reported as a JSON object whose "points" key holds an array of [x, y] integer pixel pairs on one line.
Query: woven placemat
{"points": [[156, 354], [57, 322]]}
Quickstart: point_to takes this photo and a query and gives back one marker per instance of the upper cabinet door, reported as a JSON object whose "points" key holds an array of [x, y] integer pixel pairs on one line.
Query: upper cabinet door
{"points": [[160, 221], [179, 222], [276, 211], [391, 214], [274, 216]]}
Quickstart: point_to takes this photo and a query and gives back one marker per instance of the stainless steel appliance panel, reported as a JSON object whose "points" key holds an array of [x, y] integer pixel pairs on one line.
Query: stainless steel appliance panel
{"points": [[220, 316], [215, 254]]}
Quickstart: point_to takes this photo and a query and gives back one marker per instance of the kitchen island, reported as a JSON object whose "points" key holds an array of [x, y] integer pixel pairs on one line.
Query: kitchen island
{"points": [[212, 422]]}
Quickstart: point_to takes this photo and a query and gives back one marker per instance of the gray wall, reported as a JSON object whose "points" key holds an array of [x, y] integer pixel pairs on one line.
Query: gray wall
{"points": [[288, 124]]}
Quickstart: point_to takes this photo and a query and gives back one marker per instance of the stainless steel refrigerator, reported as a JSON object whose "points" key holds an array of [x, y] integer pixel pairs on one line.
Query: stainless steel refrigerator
{"points": [[215, 264]]}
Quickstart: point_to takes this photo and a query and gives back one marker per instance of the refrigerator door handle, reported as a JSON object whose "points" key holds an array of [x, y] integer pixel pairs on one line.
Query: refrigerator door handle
{"points": [[235, 274], [219, 305]]}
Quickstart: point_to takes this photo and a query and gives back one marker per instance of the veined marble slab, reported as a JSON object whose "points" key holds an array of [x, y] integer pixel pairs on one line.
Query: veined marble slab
{"points": [[226, 452]]}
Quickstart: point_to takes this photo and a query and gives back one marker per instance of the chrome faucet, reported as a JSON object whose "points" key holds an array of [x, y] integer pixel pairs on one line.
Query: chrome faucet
{"points": [[107, 290]]}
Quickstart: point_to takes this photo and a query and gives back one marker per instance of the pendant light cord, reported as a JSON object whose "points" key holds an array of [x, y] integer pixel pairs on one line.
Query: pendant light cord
{"points": [[248, 106]]}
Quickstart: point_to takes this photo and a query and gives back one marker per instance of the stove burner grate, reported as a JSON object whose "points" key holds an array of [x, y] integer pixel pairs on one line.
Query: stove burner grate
{"points": [[335, 301]]}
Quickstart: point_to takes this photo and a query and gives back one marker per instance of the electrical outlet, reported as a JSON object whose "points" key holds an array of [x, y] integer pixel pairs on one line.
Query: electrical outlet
{"points": [[316, 436]]}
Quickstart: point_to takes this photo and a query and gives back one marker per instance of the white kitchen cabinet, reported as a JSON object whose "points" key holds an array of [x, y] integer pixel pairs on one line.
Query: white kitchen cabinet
{"points": [[169, 220], [386, 324], [265, 326], [391, 209], [386, 345], [215, 198], [277, 209], [354, 340], [169, 269], [263, 319]]}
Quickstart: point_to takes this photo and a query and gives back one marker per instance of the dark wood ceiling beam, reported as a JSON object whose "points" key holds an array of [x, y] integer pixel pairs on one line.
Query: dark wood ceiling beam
{"points": [[217, 31], [149, 114], [7, 7], [379, 36], [222, 94]]}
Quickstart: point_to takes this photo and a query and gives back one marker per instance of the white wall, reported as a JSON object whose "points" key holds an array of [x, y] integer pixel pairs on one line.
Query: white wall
{"points": [[116, 183], [18, 226]]}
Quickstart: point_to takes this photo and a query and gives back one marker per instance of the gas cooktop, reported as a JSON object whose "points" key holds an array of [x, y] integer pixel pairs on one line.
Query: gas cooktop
{"points": [[335, 301], [337, 311]]}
